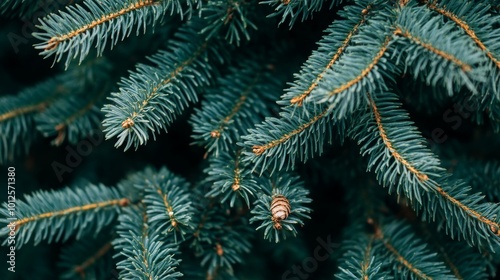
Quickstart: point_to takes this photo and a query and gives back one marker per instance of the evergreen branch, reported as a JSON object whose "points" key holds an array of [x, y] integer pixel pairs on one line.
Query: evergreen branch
{"points": [[364, 72], [168, 204], [483, 177], [146, 256], [419, 274], [360, 260], [56, 215], [71, 210], [463, 261], [239, 99], [383, 134], [151, 97], [229, 17], [224, 249], [394, 152], [465, 67], [360, 70], [454, 61], [17, 112], [277, 142], [260, 149], [280, 206], [54, 41], [493, 225], [80, 269], [339, 36], [401, 161], [20, 114], [295, 9], [24, 110], [417, 261], [230, 178], [73, 117], [476, 12], [95, 22], [448, 262], [87, 258], [221, 238]]}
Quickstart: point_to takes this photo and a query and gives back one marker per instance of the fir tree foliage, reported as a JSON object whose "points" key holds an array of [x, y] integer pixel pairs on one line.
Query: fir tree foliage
{"points": [[363, 68], [231, 179], [95, 22], [58, 215], [437, 51], [233, 19], [65, 106], [474, 19], [481, 176], [338, 36], [293, 10], [226, 251], [145, 255], [87, 258], [409, 255], [302, 133], [16, 117], [231, 107], [168, 203], [152, 96], [359, 260], [376, 57], [412, 171], [221, 238]]}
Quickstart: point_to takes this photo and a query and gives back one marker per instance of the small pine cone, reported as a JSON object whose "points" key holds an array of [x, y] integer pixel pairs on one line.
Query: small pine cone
{"points": [[280, 209]]}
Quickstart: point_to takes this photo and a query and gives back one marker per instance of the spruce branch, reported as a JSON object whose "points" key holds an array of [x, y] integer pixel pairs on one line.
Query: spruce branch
{"points": [[234, 104], [16, 117], [361, 70], [481, 176], [230, 178], [87, 259], [38, 107], [404, 165], [437, 51], [57, 215], [71, 118], [300, 132], [224, 249], [330, 48], [95, 22], [144, 254], [168, 204], [292, 10], [464, 262], [222, 236], [232, 18], [359, 260], [152, 96], [475, 20], [410, 256]]}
